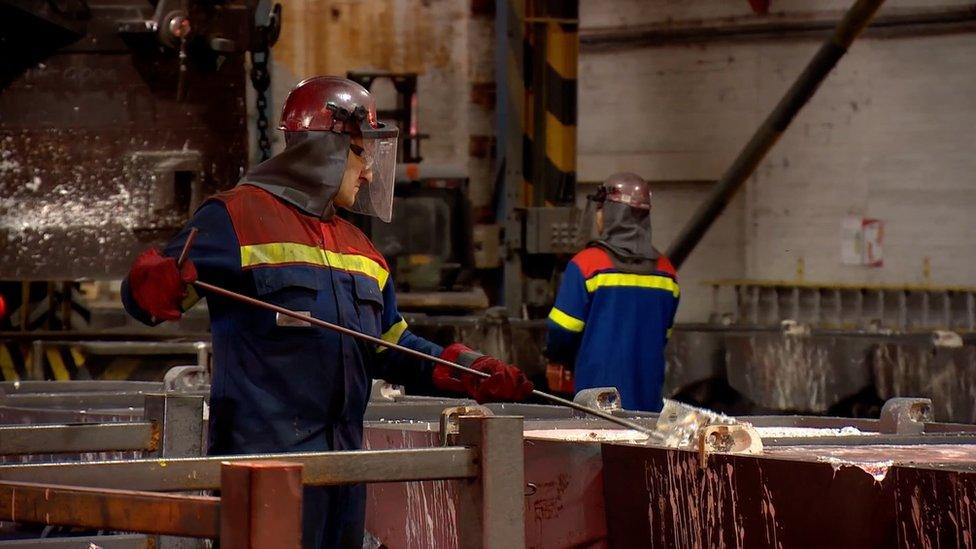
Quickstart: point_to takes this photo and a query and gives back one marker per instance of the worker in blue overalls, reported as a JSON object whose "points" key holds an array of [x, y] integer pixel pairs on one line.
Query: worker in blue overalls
{"points": [[617, 299], [280, 385]]}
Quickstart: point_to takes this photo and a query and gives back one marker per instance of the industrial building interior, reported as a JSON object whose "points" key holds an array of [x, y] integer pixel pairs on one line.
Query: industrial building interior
{"points": [[810, 168]]}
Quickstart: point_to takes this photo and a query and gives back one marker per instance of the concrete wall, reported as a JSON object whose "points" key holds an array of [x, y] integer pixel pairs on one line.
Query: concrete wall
{"points": [[889, 135]]}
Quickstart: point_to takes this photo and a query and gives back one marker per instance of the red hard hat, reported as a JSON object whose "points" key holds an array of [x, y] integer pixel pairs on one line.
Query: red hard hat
{"points": [[626, 188], [327, 103]]}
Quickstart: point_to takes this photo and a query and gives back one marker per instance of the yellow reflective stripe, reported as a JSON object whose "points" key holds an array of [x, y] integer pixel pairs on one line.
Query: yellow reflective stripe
{"points": [[669, 333], [7, 365], [632, 280], [393, 335], [57, 365], [564, 320], [277, 253]]}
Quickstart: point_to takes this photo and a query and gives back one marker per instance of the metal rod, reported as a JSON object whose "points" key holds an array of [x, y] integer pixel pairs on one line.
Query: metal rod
{"points": [[377, 341], [203, 473], [854, 21], [186, 247]]}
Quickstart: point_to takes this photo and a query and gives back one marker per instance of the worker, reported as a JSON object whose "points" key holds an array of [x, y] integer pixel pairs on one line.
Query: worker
{"points": [[616, 303], [280, 385]]}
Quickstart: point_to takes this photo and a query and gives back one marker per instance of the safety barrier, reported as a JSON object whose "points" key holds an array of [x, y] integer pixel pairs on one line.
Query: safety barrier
{"points": [[487, 462]]}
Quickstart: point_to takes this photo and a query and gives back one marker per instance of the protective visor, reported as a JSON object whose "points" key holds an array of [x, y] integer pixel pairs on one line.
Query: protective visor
{"points": [[379, 153], [585, 229]]}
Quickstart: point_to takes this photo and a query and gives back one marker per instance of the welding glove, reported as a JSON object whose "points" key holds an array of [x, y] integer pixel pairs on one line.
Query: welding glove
{"points": [[158, 285], [507, 382]]}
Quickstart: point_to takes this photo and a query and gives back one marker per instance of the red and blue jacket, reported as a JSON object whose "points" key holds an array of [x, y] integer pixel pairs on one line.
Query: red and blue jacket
{"points": [[282, 387], [612, 326]]}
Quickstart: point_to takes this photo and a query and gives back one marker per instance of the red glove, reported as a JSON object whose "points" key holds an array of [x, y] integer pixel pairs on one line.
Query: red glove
{"points": [[507, 382], [158, 285]]}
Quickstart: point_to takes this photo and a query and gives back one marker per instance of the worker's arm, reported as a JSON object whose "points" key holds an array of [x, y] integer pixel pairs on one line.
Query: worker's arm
{"points": [[567, 320], [505, 381], [157, 290], [400, 368]]}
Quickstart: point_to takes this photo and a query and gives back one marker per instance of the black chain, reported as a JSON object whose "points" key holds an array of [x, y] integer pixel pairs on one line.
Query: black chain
{"points": [[261, 80]]}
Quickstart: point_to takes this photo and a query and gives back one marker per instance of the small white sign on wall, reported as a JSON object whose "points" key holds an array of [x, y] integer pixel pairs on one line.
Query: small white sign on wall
{"points": [[861, 241]]}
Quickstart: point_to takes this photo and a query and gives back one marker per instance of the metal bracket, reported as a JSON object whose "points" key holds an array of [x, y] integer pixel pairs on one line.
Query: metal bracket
{"points": [[946, 339], [601, 398], [451, 423], [905, 416], [186, 379], [383, 391], [728, 439]]}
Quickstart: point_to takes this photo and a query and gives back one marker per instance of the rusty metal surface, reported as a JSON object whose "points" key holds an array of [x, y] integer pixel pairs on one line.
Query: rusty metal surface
{"points": [[563, 504], [934, 509], [663, 498], [261, 505], [919, 368], [693, 356], [87, 141], [193, 516], [806, 373], [880, 496]]}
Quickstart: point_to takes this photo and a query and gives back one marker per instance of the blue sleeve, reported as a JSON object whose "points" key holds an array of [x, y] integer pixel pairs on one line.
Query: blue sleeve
{"points": [[215, 254], [394, 366], [568, 317]]}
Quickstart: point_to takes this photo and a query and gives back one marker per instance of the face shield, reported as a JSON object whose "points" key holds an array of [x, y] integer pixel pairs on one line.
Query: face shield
{"points": [[379, 156], [586, 218]]}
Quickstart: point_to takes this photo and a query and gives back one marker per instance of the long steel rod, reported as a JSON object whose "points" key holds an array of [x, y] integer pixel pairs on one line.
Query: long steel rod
{"points": [[854, 21], [396, 347], [412, 352]]}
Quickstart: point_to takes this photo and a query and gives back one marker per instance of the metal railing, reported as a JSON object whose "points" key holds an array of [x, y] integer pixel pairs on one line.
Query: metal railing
{"points": [[487, 462]]}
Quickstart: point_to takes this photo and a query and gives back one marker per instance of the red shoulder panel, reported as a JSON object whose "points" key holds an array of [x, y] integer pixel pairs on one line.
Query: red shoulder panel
{"points": [[592, 260], [261, 218], [664, 265]]}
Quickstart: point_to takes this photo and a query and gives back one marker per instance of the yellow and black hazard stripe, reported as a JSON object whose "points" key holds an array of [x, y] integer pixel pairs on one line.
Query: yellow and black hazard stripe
{"points": [[550, 79], [58, 363]]}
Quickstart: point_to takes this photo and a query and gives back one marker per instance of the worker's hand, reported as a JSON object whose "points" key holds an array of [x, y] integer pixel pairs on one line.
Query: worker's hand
{"points": [[506, 382], [158, 285]]}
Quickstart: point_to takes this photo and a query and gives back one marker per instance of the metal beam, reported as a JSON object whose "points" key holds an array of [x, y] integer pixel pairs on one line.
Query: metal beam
{"points": [[121, 541], [96, 437], [193, 516], [826, 58], [492, 504], [261, 505], [909, 22], [320, 469], [75, 401]]}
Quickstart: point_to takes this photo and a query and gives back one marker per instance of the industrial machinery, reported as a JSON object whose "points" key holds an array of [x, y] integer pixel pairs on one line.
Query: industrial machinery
{"points": [[764, 481]]}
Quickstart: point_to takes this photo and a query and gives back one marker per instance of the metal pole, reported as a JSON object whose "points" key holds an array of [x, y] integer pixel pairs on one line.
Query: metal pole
{"points": [[377, 341], [491, 510], [854, 21], [261, 505]]}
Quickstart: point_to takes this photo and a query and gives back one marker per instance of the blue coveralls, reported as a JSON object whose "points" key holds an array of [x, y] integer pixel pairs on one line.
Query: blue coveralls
{"points": [[284, 388], [613, 326]]}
